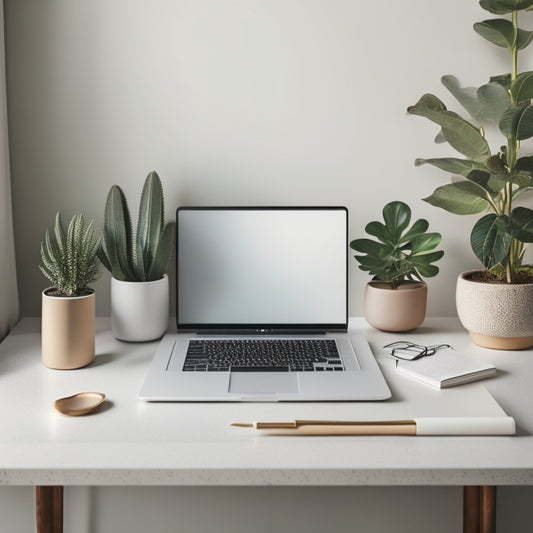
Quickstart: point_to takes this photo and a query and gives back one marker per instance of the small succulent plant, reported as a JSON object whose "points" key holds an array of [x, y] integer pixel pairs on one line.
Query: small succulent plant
{"points": [[399, 253], [143, 256], [69, 257]]}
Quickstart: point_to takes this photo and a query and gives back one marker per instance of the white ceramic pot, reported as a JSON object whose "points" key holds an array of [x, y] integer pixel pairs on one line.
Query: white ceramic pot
{"points": [[139, 309], [400, 309], [498, 316], [67, 327]]}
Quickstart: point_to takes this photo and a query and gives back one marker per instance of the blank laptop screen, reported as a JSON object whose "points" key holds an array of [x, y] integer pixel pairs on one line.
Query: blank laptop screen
{"points": [[261, 267]]}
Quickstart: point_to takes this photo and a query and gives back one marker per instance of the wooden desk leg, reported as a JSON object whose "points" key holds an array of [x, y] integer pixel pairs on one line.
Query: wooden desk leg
{"points": [[49, 509], [479, 509]]}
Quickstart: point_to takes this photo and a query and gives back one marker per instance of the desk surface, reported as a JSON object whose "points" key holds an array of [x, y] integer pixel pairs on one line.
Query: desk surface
{"points": [[130, 442]]}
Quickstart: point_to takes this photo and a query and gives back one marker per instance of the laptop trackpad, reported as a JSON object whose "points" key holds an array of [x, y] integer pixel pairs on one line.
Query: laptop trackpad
{"points": [[263, 382]]}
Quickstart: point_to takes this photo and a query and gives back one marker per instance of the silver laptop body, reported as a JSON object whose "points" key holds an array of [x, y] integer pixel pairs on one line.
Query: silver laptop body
{"points": [[276, 274]]}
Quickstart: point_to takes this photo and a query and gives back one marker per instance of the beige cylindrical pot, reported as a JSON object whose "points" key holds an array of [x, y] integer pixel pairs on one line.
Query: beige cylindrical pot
{"points": [[400, 309], [139, 309], [67, 330], [498, 316]]}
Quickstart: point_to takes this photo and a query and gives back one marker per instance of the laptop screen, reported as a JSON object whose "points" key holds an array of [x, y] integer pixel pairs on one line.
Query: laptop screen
{"points": [[261, 268]]}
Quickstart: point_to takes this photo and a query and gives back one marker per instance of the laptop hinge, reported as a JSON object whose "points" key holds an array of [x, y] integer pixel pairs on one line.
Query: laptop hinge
{"points": [[262, 331]]}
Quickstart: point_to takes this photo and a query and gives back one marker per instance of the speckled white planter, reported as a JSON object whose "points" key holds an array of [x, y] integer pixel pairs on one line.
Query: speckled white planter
{"points": [[496, 316]]}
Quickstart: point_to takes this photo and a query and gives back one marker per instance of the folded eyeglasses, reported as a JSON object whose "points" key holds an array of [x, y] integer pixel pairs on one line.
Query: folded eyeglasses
{"points": [[410, 351]]}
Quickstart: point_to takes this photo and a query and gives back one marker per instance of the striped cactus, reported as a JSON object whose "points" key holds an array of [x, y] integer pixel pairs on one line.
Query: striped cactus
{"points": [[68, 256]]}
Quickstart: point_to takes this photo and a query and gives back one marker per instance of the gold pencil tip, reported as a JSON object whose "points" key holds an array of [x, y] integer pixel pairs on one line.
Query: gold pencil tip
{"points": [[242, 425]]}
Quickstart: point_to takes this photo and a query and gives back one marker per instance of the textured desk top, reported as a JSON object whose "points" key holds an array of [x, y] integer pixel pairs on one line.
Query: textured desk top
{"points": [[130, 442]]}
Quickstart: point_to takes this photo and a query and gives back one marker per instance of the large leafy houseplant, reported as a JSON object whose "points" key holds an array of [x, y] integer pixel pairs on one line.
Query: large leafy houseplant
{"points": [[400, 252], [484, 180]]}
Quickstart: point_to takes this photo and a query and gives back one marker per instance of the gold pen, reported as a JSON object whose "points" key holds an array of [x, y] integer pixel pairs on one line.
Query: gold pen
{"points": [[334, 427]]}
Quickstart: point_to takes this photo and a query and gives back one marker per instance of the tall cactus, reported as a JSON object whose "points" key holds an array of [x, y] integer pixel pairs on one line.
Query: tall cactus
{"points": [[145, 255]]}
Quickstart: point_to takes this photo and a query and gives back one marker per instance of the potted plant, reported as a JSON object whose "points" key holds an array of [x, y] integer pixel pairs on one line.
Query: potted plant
{"points": [[137, 262], [396, 298], [69, 261], [496, 303]]}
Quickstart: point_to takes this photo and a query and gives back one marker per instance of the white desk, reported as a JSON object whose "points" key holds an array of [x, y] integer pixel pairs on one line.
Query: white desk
{"points": [[129, 442]]}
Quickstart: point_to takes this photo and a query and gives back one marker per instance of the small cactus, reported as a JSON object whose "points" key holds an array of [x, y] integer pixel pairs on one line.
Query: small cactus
{"points": [[145, 255], [69, 257]]}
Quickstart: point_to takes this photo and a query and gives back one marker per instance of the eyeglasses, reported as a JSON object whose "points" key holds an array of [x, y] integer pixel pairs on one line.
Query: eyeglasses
{"points": [[410, 351]]}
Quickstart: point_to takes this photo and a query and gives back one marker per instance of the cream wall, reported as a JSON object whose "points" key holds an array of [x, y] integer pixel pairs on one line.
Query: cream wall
{"points": [[237, 102], [233, 102]]}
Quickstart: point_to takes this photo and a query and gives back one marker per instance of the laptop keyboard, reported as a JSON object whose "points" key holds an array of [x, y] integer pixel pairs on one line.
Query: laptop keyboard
{"points": [[262, 355]]}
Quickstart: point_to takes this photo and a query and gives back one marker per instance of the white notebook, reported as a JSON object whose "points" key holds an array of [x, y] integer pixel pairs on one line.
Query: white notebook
{"points": [[446, 368]]}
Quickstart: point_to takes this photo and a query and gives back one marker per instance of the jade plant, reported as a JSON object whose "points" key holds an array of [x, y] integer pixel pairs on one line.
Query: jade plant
{"points": [[142, 255], [485, 180], [69, 257], [400, 252]]}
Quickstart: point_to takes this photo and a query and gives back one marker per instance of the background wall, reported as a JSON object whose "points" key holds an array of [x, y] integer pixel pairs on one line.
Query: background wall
{"points": [[236, 102]]}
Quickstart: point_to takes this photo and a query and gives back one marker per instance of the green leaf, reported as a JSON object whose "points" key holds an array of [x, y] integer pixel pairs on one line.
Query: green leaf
{"points": [[524, 181], [427, 101], [493, 101], [102, 256], [498, 31], [379, 230], [429, 257], [491, 240], [522, 88], [518, 122], [452, 164], [150, 224], [369, 263], [59, 233], [418, 228], [463, 136], [427, 271], [491, 183], [397, 216], [501, 33], [522, 224], [503, 79], [421, 244], [461, 198], [423, 265], [163, 253], [524, 165], [503, 7], [480, 177], [496, 183], [117, 235], [373, 248]]}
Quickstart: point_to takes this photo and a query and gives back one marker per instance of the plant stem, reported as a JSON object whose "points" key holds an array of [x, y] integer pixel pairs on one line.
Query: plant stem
{"points": [[514, 51], [513, 258], [512, 143]]}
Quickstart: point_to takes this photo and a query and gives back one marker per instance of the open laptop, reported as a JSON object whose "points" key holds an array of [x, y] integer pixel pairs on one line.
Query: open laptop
{"points": [[262, 310]]}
